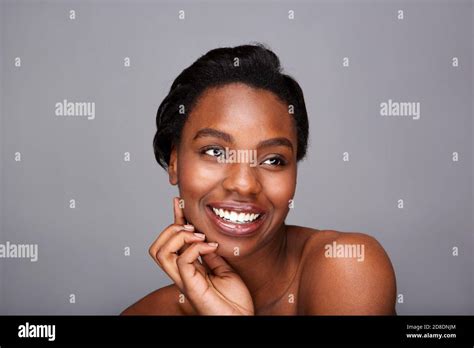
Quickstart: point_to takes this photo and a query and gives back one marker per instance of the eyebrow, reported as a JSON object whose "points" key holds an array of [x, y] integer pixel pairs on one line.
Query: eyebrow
{"points": [[281, 141], [211, 132]]}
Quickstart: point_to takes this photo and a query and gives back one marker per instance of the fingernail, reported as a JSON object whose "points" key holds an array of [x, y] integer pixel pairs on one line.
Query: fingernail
{"points": [[200, 235], [213, 244], [189, 227]]}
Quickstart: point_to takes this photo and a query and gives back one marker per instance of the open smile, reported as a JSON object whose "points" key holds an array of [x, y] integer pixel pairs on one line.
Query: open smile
{"points": [[236, 219]]}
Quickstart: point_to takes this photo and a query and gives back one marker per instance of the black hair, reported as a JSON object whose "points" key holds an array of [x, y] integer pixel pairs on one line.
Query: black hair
{"points": [[254, 65]]}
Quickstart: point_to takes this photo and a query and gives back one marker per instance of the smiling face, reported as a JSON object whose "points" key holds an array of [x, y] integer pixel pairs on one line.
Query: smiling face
{"points": [[242, 203]]}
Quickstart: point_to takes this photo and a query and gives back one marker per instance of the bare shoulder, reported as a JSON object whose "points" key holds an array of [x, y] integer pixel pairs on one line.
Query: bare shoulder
{"points": [[346, 273], [164, 301]]}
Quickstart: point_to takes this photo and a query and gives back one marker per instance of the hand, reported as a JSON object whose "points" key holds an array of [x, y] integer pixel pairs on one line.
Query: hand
{"points": [[213, 287]]}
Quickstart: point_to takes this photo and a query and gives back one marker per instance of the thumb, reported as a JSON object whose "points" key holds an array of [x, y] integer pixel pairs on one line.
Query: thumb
{"points": [[217, 264]]}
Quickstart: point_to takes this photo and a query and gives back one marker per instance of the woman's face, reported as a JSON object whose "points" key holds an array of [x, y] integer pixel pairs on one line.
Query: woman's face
{"points": [[239, 200]]}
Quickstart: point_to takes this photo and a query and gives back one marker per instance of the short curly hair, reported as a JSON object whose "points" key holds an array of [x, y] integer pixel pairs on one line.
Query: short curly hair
{"points": [[258, 67]]}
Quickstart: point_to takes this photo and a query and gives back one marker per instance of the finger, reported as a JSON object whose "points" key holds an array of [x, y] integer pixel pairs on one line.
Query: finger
{"points": [[200, 267], [206, 268], [188, 272], [165, 235], [166, 255], [187, 227], [183, 248], [177, 242], [178, 212], [217, 264]]}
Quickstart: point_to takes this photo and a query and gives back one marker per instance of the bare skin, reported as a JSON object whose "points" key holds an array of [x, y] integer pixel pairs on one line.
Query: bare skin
{"points": [[280, 269]]}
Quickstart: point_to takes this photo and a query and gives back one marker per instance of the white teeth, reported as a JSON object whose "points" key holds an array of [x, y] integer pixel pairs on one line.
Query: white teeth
{"points": [[235, 216]]}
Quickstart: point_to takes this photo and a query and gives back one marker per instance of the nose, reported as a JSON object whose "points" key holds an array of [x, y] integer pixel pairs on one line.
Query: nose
{"points": [[242, 179]]}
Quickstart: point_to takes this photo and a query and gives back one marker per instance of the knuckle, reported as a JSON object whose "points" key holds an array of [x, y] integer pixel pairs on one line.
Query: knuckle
{"points": [[180, 261], [197, 248], [160, 256], [183, 234], [175, 227], [170, 226]]}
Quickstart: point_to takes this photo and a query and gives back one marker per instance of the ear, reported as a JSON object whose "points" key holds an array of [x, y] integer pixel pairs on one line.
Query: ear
{"points": [[173, 167]]}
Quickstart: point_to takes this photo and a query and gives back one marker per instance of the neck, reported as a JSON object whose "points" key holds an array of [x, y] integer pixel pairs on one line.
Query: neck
{"points": [[272, 262]]}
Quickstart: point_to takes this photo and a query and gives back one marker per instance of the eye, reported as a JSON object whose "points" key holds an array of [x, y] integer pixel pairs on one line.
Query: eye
{"points": [[213, 151], [275, 161]]}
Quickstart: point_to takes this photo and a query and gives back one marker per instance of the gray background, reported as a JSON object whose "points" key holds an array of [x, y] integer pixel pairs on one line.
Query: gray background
{"points": [[120, 204]]}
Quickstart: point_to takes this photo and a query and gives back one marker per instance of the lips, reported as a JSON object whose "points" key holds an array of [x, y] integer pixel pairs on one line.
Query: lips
{"points": [[236, 219]]}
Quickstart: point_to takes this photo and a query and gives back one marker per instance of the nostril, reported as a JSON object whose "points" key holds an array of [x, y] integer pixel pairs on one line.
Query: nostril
{"points": [[243, 182]]}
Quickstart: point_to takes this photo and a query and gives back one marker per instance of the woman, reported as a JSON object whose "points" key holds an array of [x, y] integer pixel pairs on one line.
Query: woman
{"points": [[229, 250]]}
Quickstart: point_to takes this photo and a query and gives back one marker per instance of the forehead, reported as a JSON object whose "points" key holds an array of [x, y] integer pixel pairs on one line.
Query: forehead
{"points": [[239, 107]]}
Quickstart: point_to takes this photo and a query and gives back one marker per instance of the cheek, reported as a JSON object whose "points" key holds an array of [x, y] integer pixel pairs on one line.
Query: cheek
{"points": [[195, 180], [280, 188]]}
